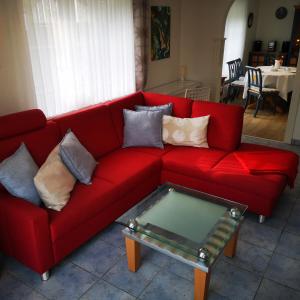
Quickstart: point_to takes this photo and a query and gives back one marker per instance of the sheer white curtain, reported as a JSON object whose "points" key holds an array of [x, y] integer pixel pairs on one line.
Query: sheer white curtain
{"points": [[82, 51]]}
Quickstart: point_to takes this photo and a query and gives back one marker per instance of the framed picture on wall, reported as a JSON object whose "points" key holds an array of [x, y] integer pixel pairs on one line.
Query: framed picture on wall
{"points": [[160, 32], [250, 20]]}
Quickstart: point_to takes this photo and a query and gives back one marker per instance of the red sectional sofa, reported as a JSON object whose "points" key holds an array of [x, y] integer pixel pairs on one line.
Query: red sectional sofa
{"points": [[40, 238]]}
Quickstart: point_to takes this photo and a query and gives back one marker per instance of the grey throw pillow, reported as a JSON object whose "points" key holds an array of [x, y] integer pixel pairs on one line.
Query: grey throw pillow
{"points": [[17, 173], [143, 128], [166, 109], [76, 157]]}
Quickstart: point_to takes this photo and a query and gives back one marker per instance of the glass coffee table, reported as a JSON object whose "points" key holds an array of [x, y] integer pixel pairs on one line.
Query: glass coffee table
{"points": [[190, 226]]}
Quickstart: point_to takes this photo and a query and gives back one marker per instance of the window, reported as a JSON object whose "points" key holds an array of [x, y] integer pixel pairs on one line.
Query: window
{"points": [[82, 51]]}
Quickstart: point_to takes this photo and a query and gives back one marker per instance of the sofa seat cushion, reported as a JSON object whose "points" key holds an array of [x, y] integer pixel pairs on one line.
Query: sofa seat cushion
{"points": [[195, 162], [262, 205], [263, 160], [126, 168], [86, 201], [232, 173]]}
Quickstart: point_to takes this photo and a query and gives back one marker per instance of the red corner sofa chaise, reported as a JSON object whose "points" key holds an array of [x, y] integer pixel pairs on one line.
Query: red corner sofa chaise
{"points": [[40, 238]]}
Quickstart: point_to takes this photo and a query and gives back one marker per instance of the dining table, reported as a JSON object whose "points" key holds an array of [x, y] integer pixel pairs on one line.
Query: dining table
{"points": [[281, 79]]}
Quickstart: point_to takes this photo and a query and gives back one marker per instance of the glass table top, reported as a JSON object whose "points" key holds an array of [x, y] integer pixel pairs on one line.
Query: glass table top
{"points": [[184, 222]]}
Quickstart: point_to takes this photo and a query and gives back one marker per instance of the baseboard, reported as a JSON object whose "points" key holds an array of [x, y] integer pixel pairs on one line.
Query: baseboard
{"points": [[295, 142]]}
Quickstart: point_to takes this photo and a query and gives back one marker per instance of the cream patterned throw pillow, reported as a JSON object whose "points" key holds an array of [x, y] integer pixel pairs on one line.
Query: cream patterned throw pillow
{"points": [[54, 182], [185, 131]]}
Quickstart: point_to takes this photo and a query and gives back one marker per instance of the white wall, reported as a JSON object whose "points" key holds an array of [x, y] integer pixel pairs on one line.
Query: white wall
{"points": [[269, 28], [16, 84], [202, 37], [296, 134], [166, 70], [6, 74], [252, 6], [238, 36], [15, 72]]}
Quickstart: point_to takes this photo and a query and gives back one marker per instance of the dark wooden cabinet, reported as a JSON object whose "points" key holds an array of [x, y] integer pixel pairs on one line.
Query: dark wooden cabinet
{"points": [[295, 39], [257, 59]]}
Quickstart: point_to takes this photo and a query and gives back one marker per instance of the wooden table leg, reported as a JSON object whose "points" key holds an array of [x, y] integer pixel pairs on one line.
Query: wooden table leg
{"points": [[201, 284], [133, 251], [230, 248]]}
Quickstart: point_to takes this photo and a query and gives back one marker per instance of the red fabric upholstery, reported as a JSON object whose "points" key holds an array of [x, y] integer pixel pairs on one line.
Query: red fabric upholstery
{"points": [[24, 233], [225, 123], [155, 151], [116, 109], [21, 122], [126, 169], [86, 202], [258, 204], [195, 162], [93, 127], [230, 172], [39, 143], [261, 160], [182, 107], [73, 239], [40, 238], [24, 228]]}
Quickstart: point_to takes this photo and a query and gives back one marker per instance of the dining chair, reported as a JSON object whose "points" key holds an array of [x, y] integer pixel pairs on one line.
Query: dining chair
{"points": [[239, 69], [236, 79], [257, 90], [202, 93]]}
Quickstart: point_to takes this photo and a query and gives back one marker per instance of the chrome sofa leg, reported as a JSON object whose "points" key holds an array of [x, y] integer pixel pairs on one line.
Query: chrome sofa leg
{"points": [[45, 276], [261, 219]]}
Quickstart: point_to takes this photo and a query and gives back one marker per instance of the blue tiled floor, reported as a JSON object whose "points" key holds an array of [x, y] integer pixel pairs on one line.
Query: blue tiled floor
{"points": [[266, 266]]}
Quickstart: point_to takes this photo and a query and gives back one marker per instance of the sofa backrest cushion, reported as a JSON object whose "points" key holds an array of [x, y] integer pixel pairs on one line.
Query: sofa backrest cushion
{"points": [[21, 122], [93, 127], [225, 123], [182, 107], [38, 142], [116, 109]]}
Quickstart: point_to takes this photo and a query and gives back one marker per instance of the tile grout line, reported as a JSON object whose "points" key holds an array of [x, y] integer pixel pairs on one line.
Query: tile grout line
{"points": [[272, 255], [266, 269], [102, 278], [150, 281], [118, 288], [33, 289], [80, 297], [99, 277]]}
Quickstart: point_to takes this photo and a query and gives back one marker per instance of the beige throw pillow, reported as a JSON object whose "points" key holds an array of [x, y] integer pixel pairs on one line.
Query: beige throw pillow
{"points": [[54, 182], [185, 131]]}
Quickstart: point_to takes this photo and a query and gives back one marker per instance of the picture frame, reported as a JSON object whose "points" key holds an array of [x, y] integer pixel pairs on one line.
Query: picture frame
{"points": [[250, 20], [160, 32]]}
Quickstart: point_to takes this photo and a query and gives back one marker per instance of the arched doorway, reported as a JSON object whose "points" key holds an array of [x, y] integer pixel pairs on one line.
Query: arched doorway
{"points": [[235, 33], [239, 38]]}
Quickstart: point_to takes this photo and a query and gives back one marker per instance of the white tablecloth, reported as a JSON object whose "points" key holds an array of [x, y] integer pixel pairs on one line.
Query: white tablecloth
{"points": [[283, 80]]}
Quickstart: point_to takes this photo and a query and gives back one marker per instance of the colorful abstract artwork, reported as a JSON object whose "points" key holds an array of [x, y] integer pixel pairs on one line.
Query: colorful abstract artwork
{"points": [[160, 32]]}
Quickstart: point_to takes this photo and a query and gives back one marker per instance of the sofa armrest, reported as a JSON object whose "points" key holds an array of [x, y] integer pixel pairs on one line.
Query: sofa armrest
{"points": [[25, 233]]}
